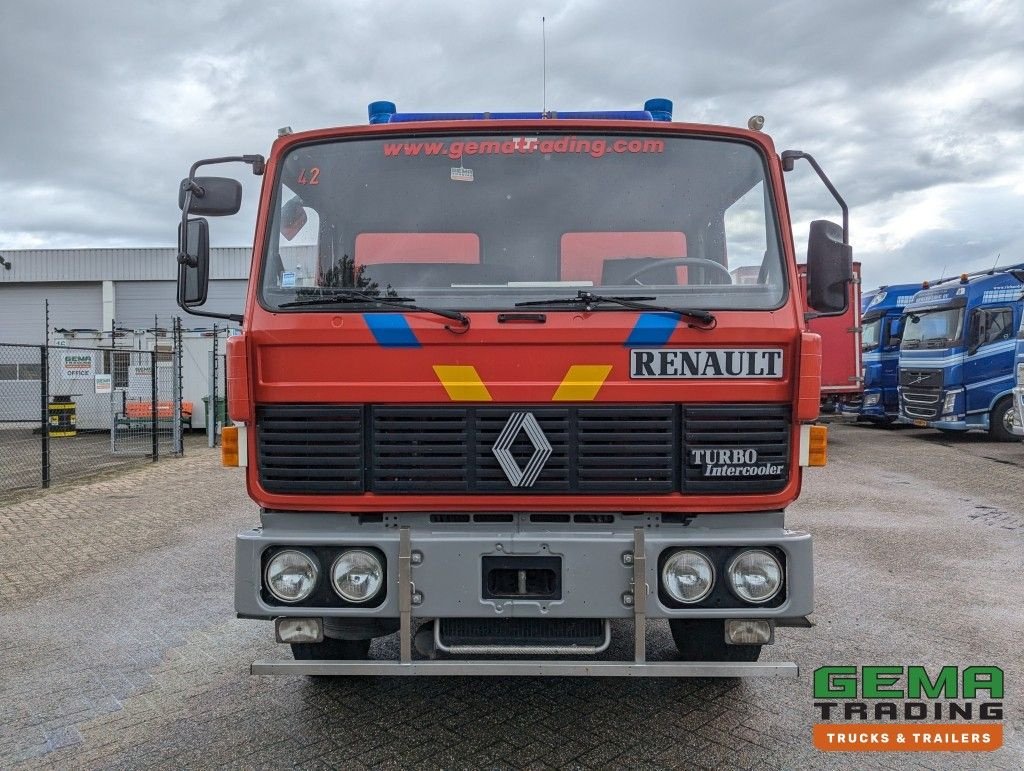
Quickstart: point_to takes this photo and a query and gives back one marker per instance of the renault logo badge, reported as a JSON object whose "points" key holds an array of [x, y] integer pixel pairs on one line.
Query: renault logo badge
{"points": [[502, 449]]}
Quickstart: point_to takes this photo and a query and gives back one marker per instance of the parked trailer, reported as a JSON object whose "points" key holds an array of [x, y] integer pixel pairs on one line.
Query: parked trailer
{"points": [[518, 395], [841, 362], [882, 330], [958, 350]]}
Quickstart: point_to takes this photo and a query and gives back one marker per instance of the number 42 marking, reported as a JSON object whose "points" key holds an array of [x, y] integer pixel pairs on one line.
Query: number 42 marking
{"points": [[313, 178]]}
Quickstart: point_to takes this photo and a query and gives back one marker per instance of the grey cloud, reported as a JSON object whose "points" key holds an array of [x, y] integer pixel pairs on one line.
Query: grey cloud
{"points": [[111, 102]]}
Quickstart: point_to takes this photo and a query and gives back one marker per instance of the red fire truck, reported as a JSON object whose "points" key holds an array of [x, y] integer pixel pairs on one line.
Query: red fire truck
{"points": [[497, 393]]}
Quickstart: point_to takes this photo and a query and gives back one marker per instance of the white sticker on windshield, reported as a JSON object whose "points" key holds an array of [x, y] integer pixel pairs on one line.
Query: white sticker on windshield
{"points": [[462, 174], [287, 278]]}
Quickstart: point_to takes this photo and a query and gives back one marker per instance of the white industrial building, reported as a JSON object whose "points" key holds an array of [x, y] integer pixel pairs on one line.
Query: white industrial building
{"points": [[95, 289], [91, 292]]}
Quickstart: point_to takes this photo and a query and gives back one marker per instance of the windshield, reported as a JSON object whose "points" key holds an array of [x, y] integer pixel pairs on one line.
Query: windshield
{"points": [[482, 222], [870, 333], [933, 329]]}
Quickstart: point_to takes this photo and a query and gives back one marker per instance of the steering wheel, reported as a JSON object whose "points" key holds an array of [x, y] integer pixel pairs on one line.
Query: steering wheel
{"points": [[696, 261]]}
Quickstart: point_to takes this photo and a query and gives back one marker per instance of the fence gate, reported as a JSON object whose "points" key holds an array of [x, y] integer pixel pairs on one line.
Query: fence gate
{"points": [[70, 411]]}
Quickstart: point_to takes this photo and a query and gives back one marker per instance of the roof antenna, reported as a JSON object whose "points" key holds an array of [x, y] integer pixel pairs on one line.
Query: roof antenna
{"points": [[996, 262], [943, 274], [544, 44]]}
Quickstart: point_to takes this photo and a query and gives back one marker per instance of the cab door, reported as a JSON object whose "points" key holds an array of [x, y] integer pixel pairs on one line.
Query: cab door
{"points": [[988, 365]]}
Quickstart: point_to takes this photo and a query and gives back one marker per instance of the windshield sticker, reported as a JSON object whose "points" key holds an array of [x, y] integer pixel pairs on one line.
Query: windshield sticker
{"points": [[733, 462], [706, 363], [462, 174], [595, 147]]}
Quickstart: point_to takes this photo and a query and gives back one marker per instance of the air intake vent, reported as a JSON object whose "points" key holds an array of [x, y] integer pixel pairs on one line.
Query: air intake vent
{"points": [[630, 449], [736, 449], [310, 449], [417, 449]]}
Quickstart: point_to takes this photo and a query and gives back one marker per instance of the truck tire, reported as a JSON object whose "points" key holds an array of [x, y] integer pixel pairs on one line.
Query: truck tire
{"points": [[332, 650], [704, 640], [999, 422]]}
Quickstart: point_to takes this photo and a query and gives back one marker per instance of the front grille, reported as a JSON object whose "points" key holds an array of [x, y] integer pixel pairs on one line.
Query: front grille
{"points": [[602, 449], [921, 378], [760, 434], [526, 632], [924, 404], [310, 449]]}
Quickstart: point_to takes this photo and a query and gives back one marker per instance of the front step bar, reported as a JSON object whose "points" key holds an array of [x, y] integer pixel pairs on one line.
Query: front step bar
{"points": [[639, 667], [530, 668]]}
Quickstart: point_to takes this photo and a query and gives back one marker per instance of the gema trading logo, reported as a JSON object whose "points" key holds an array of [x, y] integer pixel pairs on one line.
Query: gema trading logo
{"points": [[900, 708]]}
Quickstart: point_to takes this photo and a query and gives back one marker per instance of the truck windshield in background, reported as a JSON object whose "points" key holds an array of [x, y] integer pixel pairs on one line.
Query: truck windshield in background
{"points": [[881, 332], [933, 329], [473, 222], [870, 333]]}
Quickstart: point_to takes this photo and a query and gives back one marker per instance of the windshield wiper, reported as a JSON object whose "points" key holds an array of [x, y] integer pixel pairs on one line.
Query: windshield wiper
{"points": [[355, 296], [589, 299]]}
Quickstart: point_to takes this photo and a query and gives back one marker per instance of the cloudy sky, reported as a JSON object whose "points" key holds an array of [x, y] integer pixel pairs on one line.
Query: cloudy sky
{"points": [[915, 109]]}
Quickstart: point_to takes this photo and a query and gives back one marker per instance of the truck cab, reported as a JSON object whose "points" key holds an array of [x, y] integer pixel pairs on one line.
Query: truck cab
{"points": [[882, 329], [496, 391], [956, 364]]}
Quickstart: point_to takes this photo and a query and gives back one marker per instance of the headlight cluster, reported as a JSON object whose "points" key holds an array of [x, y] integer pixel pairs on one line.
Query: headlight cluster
{"points": [[754, 576], [870, 400], [292, 575], [949, 404]]}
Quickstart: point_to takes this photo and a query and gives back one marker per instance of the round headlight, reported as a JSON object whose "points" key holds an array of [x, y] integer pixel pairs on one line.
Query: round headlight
{"points": [[291, 575], [357, 575], [755, 576], [688, 576]]}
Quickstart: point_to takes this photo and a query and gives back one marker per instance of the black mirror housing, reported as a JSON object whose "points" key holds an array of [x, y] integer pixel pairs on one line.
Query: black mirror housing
{"points": [[829, 268], [193, 263], [211, 196]]}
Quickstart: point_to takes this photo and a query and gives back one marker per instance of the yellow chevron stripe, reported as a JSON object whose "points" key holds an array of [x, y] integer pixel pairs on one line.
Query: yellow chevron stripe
{"points": [[462, 383], [582, 382]]}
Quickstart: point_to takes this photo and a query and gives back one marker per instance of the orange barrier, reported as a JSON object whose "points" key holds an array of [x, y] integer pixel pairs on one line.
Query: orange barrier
{"points": [[141, 413]]}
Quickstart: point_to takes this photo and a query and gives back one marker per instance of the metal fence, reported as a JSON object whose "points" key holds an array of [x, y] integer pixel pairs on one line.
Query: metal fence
{"points": [[70, 411]]}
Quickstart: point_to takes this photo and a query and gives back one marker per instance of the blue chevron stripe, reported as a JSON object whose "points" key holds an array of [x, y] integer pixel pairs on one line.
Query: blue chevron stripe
{"points": [[391, 330], [652, 329]]}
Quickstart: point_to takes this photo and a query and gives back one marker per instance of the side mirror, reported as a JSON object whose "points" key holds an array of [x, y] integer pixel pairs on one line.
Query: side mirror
{"points": [[193, 263], [211, 196], [829, 268]]}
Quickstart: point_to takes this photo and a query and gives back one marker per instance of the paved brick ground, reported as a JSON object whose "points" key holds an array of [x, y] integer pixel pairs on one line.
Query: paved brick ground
{"points": [[122, 650]]}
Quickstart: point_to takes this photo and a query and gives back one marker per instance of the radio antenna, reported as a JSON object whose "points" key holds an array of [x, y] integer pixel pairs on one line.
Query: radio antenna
{"points": [[996, 262], [544, 55]]}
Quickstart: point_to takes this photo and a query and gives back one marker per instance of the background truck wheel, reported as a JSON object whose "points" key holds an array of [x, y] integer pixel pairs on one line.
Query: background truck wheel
{"points": [[1000, 420], [704, 640], [331, 649]]}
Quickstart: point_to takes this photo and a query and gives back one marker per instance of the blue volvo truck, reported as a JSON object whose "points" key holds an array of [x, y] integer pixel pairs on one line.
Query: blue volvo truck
{"points": [[957, 356], [882, 330]]}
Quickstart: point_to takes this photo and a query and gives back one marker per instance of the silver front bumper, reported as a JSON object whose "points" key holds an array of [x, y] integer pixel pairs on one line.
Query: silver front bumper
{"points": [[638, 667], [597, 563]]}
